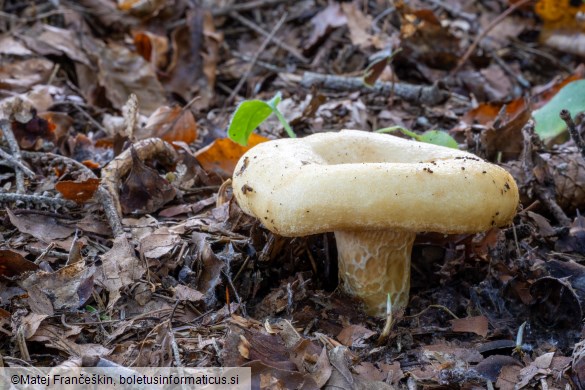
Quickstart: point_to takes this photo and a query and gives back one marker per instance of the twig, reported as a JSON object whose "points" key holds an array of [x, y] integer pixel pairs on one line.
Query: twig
{"points": [[445, 309], [485, 32], [506, 68], [89, 117], [103, 196], [43, 252], [425, 94], [44, 213], [455, 12], [254, 59], [251, 5], [16, 164], [575, 135], [36, 199], [278, 42], [15, 149]]}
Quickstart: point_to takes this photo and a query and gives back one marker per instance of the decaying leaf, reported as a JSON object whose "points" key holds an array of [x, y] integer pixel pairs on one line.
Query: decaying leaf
{"points": [[171, 124], [67, 288], [122, 72], [144, 190], [119, 268], [477, 325], [13, 264]]}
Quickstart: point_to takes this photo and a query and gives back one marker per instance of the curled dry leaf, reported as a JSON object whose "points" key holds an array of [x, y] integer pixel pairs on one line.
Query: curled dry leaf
{"points": [[171, 124], [144, 190], [153, 48], [504, 127]]}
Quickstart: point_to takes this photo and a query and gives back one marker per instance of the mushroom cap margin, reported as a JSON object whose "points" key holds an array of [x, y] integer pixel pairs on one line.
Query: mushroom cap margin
{"points": [[355, 180]]}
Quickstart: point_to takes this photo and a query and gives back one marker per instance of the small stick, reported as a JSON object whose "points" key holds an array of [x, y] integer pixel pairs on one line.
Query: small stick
{"points": [[16, 164], [251, 5], [455, 12], [37, 199], [575, 135], [252, 63], [107, 200], [485, 32], [425, 94], [261, 31], [15, 149]]}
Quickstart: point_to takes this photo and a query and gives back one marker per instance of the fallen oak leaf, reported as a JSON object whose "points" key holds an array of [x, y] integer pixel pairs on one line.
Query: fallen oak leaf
{"points": [[144, 190]]}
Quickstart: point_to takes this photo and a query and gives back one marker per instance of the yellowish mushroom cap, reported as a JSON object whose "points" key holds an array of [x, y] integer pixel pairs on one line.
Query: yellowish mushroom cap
{"points": [[359, 180]]}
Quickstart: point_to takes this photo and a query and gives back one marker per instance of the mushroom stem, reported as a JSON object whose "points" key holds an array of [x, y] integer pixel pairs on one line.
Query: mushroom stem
{"points": [[373, 264]]}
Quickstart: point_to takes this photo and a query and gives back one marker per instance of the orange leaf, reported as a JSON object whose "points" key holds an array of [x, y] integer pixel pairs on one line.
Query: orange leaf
{"points": [[222, 155], [153, 48], [171, 124], [79, 192]]}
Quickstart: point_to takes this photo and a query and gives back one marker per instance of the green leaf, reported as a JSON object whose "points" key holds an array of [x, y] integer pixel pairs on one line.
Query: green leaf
{"points": [[548, 123], [273, 103], [438, 137], [90, 309], [247, 117]]}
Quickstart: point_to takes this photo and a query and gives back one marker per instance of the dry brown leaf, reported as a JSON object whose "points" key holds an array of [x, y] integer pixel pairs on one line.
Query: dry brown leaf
{"points": [[144, 190], [504, 137], [355, 336], [477, 325], [119, 269], [60, 41], [13, 264], [20, 75], [222, 155], [152, 47], [424, 39], [195, 55], [67, 288], [359, 25], [171, 124], [122, 72], [324, 22], [54, 336], [78, 191], [41, 227], [184, 293], [159, 244]]}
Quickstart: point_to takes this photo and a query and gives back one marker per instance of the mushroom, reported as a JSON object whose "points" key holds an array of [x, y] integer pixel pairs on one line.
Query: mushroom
{"points": [[375, 192]]}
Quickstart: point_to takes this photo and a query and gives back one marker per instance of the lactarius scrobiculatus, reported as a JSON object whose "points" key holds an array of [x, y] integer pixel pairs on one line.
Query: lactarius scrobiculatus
{"points": [[375, 192]]}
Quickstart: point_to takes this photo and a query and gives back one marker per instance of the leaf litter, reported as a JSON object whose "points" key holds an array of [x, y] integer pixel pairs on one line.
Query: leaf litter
{"points": [[120, 240]]}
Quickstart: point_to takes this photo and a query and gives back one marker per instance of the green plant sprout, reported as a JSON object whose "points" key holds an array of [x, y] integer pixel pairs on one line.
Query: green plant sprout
{"points": [[250, 114], [435, 137]]}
